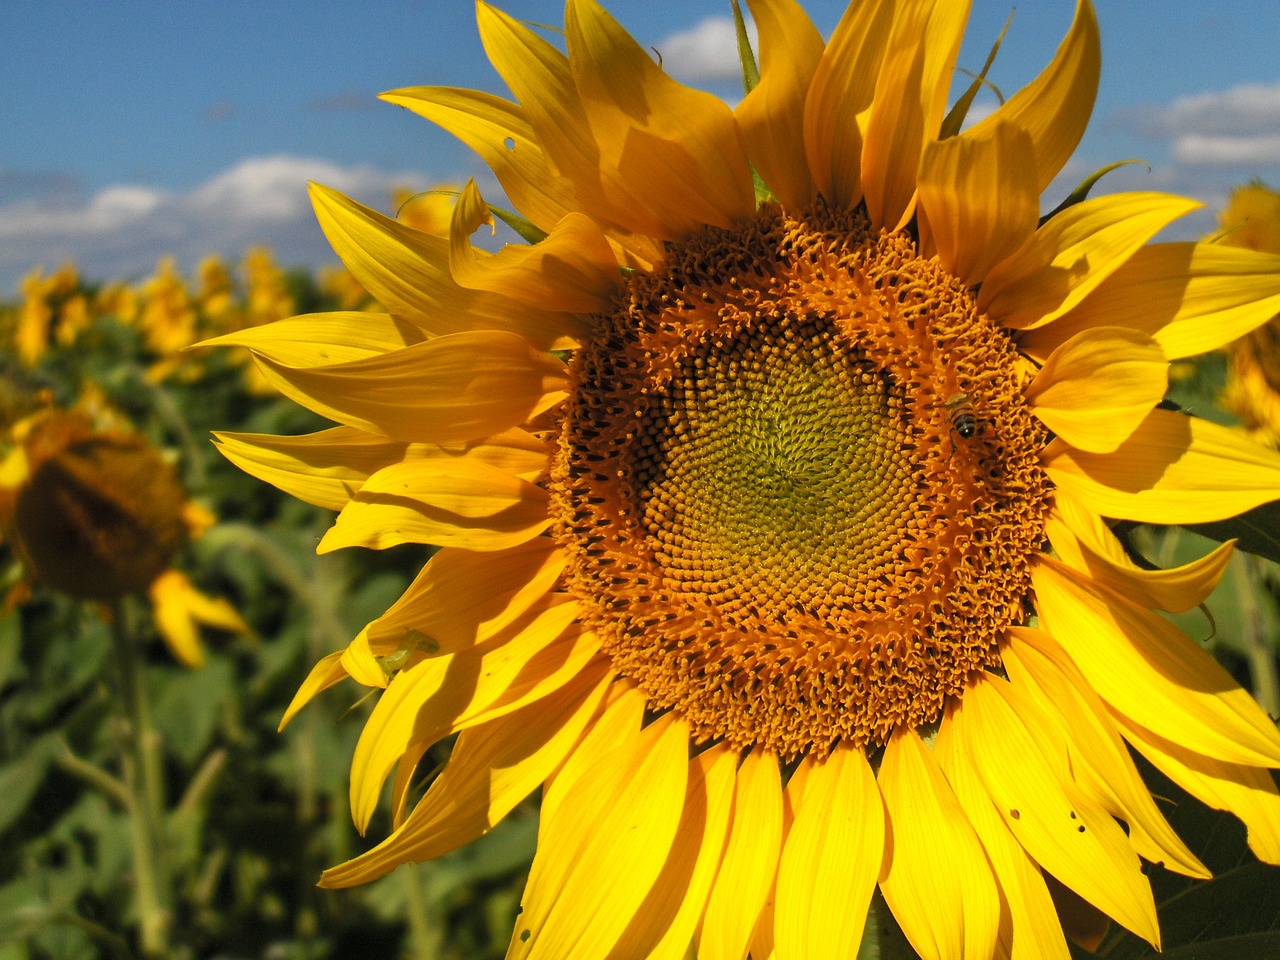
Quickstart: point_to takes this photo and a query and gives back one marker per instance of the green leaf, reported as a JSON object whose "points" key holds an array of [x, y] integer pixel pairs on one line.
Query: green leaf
{"points": [[20, 779], [1088, 183], [954, 119], [1256, 531], [746, 57]]}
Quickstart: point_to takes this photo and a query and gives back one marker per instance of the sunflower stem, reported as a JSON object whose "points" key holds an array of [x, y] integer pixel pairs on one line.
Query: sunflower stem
{"points": [[426, 942], [142, 774], [1262, 662]]}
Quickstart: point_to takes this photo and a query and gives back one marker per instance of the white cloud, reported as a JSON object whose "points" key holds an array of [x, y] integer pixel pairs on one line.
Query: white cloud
{"points": [[1245, 110], [122, 231], [1208, 151], [708, 51]]}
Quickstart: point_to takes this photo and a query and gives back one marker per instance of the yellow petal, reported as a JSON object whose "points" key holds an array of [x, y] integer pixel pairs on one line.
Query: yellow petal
{"points": [[1071, 254], [1149, 670], [978, 199], [603, 848], [1076, 842], [1172, 469], [1096, 388], [434, 697], [1190, 297], [750, 863], [663, 927], [320, 339], [1084, 542], [842, 89], [407, 271], [540, 77], [572, 269], [617, 727], [325, 674], [677, 147], [498, 132], [936, 878], [1100, 764], [830, 861], [179, 611], [492, 768], [462, 598], [362, 664], [1247, 792], [454, 388], [1029, 925], [911, 97], [459, 504], [328, 467], [323, 468], [771, 116], [1054, 108]]}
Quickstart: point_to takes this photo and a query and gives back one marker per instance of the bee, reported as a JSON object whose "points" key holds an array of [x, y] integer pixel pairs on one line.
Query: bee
{"points": [[964, 419]]}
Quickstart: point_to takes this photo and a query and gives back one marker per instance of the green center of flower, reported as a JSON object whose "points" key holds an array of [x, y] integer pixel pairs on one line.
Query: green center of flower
{"points": [[764, 465], [798, 485]]}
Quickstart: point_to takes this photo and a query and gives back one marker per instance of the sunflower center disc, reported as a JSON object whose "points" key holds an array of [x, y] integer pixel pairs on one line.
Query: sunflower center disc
{"points": [[771, 519]]}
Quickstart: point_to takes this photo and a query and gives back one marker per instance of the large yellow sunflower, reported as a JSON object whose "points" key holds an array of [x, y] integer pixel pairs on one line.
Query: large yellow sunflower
{"points": [[773, 520]]}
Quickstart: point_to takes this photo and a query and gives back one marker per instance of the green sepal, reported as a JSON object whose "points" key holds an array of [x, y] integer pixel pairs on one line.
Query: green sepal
{"points": [[954, 119], [1082, 192]]}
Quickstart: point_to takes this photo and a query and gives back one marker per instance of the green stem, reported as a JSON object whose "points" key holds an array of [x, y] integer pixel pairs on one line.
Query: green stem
{"points": [[145, 787], [425, 939], [1262, 662]]}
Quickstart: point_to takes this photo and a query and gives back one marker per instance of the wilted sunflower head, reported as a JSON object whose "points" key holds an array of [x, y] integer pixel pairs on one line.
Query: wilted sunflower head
{"points": [[96, 514], [771, 479]]}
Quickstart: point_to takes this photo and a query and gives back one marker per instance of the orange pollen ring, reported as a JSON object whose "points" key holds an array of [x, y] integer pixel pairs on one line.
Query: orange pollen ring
{"points": [[770, 518]]}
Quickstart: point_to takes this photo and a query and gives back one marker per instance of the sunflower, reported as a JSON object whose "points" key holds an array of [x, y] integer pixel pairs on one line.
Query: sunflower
{"points": [[771, 483], [95, 513], [1252, 220]]}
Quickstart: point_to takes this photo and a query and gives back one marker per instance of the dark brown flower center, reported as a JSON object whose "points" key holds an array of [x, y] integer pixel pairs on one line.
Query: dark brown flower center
{"points": [[798, 485]]}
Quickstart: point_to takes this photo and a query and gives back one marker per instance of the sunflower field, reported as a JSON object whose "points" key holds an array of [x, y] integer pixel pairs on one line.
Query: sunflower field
{"points": [[805, 539], [203, 666]]}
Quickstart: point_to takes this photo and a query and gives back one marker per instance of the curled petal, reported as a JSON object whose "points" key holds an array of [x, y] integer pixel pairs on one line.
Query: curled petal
{"points": [[435, 697], [1096, 388], [771, 116], [842, 89], [498, 132], [1055, 107], [454, 388], [573, 269], [492, 768], [1072, 254], [978, 199], [677, 147], [1149, 670], [910, 100], [407, 271], [459, 504], [1084, 542], [1172, 469], [1189, 297]]}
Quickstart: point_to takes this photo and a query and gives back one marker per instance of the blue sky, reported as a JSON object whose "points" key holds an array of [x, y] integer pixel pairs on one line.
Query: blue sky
{"points": [[133, 129]]}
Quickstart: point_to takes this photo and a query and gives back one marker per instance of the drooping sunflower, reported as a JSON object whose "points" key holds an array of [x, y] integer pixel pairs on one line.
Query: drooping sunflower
{"points": [[771, 480]]}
